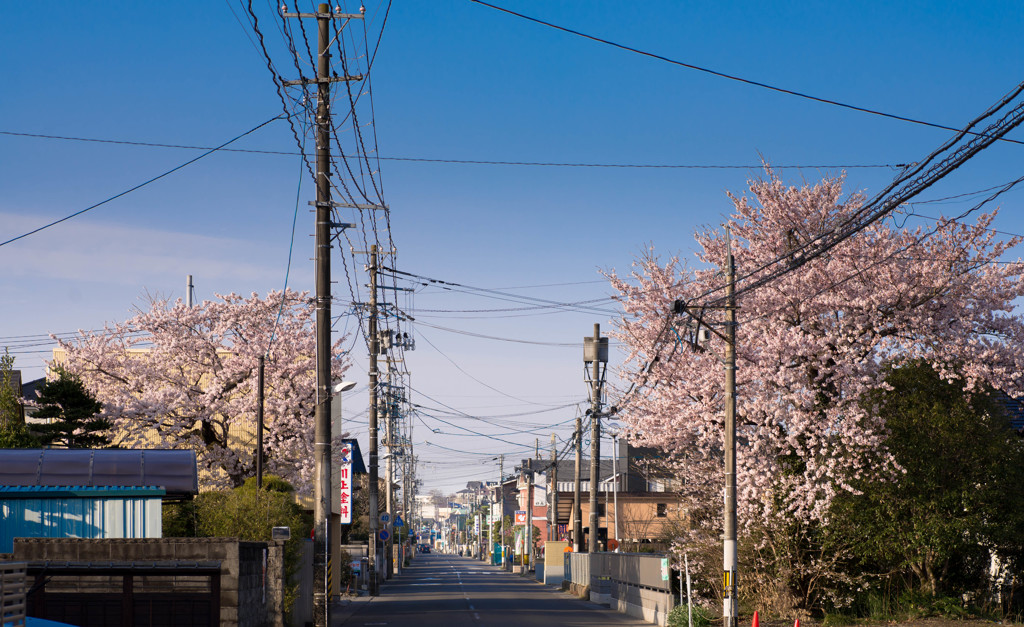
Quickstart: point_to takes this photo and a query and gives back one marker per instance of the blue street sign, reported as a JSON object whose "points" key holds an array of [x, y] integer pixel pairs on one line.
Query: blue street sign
{"points": [[385, 518], [398, 521], [384, 535]]}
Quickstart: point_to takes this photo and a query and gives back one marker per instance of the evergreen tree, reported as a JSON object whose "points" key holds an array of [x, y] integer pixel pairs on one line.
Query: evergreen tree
{"points": [[10, 404], [74, 413], [13, 433]]}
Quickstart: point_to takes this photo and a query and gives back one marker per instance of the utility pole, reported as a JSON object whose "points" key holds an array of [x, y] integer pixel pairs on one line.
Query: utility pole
{"points": [[577, 505], [188, 291], [730, 604], [259, 423], [501, 512], [322, 416], [389, 473], [322, 419], [553, 493], [374, 350], [615, 486], [528, 536], [594, 357], [729, 600]]}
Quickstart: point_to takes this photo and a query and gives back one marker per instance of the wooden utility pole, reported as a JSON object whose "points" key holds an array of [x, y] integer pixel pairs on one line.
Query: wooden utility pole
{"points": [[374, 350]]}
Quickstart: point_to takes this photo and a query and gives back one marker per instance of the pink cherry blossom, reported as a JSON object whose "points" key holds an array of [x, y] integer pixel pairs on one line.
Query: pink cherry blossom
{"points": [[181, 377]]}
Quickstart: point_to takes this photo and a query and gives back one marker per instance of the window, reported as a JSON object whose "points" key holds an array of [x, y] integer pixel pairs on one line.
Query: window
{"points": [[662, 510], [600, 510]]}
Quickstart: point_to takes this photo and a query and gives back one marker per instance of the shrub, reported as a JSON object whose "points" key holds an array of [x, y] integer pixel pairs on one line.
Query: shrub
{"points": [[680, 616]]}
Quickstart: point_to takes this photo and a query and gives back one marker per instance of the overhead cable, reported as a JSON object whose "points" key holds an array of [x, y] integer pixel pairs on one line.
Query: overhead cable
{"points": [[731, 77]]}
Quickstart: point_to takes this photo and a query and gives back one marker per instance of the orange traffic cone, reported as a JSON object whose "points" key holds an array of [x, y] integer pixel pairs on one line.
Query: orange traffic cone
{"points": [[756, 623]]}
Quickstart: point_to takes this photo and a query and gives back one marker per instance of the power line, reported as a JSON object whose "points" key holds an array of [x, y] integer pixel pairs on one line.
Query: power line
{"points": [[496, 162], [144, 183], [731, 77]]}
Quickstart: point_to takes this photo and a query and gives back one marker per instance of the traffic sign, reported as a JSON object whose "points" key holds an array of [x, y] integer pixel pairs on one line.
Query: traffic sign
{"points": [[384, 535], [398, 521], [385, 518]]}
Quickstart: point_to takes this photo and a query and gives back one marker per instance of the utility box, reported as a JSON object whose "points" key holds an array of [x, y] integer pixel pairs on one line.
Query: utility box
{"points": [[554, 562], [595, 352]]}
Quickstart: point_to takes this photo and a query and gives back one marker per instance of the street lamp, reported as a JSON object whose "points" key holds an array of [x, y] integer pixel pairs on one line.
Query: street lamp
{"points": [[595, 362]]}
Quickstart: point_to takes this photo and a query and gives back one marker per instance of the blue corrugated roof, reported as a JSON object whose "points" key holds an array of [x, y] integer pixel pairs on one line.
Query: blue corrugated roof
{"points": [[173, 470]]}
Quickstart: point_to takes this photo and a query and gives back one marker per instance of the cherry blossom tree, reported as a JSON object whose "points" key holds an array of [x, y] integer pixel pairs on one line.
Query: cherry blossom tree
{"points": [[185, 377], [810, 345]]}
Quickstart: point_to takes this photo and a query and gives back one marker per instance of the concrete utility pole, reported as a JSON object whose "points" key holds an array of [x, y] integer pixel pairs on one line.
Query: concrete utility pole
{"points": [[615, 485], [374, 350], [389, 490], [594, 357], [553, 493], [322, 416], [259, 423], [528, 536], [188, 291], [730, 604], [577, 505], [501, 511], [322, 419]]}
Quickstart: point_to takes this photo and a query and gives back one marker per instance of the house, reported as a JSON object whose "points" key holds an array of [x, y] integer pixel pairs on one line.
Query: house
{"points": [[648, 509]]}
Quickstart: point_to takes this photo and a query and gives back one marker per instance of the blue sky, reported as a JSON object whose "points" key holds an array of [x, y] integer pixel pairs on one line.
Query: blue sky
{"points": [[456, 80]]}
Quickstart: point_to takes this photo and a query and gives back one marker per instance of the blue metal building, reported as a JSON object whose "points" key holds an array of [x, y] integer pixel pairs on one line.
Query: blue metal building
{"points": [[90, 493], [79, 512]]}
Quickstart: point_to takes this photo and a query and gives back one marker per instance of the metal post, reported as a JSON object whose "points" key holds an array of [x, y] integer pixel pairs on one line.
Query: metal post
{"points": [[322, 419], [259, 423], [374, 487], [729, 599], [595, 443], [188, 291]]}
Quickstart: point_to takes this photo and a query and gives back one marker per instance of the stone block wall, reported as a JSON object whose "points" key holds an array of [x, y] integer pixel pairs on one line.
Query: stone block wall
{"points": [[249, 595]]}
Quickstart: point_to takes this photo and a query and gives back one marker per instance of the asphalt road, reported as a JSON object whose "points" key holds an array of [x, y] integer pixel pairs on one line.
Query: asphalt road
{"points": [[450, 591]]}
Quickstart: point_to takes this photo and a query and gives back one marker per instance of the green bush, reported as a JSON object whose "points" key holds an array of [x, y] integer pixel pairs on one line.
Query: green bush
{"points": [[837, 620], [247, 514], [679, 616]]}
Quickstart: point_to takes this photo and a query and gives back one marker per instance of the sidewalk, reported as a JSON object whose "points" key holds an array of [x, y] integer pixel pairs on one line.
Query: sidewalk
{"points": [[345, 609]]}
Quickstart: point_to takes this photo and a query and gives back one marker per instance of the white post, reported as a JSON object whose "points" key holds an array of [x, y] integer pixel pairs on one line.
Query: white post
{"points": [[689, 601]]}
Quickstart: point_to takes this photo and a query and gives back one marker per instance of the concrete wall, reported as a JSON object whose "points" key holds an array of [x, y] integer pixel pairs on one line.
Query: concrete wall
{"points": [[250, 596], [631, 583]]}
